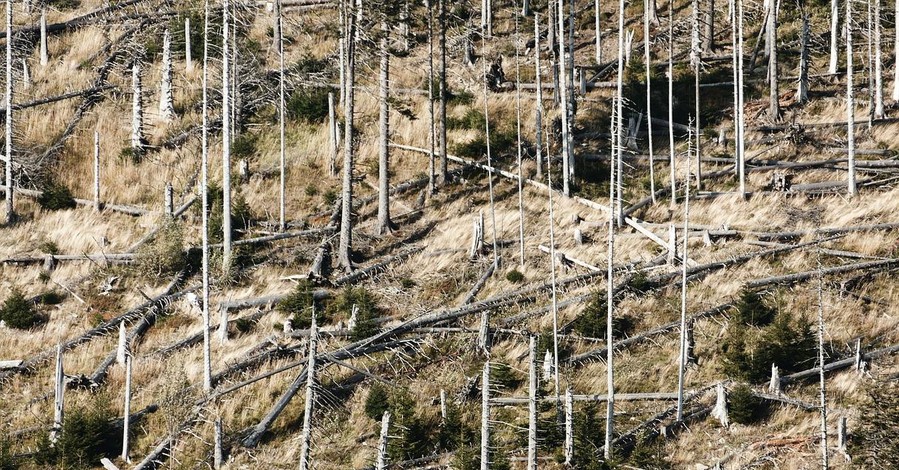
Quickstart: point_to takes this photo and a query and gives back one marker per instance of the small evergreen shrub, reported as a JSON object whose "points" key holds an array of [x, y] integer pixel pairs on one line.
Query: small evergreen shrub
{"points": [[367, 311], [743, 406], [503, 376], [299, 305], [377, 401], [309, 105], [748, 352], [87, 435], [164, 255], [244, 146], [55, 197], [751, 310], [514, 276], [19, 313], [592, 320]]}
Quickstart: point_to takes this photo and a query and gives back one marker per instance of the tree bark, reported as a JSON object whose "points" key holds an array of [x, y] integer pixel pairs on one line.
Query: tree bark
{"points": [[708, 43], [346, 228], [682, 357], [802, 93], [878, 63], [137, 111], [647, 49], [188, 58], [896, 61], [443, 173], [226, 140], [385, 225], [282, 141], [485, 417], [306, 437], [822, 390], [596, 12], [166, 109], [60, 388], [517, 40], [672, 167], [432, 130], [538, 118], [43, 27], [740, 112], [127, 411], [204, 190], [773, 90], [563, 100], [532, 402], [835, 35], [96, 171], [850, 101], [381, 462], [569, 427]]}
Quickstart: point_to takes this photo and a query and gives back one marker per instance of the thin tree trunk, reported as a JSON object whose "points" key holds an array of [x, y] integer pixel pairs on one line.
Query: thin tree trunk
{"points": [[282, 141], [552, 267], [532, 402], [381, 462], [671, 150], [682, 356], [332, 136], [518, 143], [489, 157], [878, 63], [166, 109], [538, 119], [850, 101], [44, 54], [96, 171], [346, 228], [306, 443], [226, 141], [835, 35], [619, 119], [276, 27], [127, 412], [441, 109], [137, 111], [563, 99], [803, 59], [708, 43], [554, 50], [610, 288], [896, 60], [59, 388], [773, 90], [485, 417], [647, 49], [188, 58], [10, 206], [217, 451], [741, 142], [204, 189], [596, 13], [697, 69], [822, 395], [569, 427], [432, 131], [384, 223]]}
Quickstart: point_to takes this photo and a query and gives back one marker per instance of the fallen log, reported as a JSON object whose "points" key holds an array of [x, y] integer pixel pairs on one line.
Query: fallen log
{"points": [[798, 277], [654, 396], [473, 292], [102, 257]]}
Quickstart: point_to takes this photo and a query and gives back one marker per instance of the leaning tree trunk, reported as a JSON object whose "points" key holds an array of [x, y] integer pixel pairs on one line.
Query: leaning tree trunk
{"points": [[490, 168], [381, 462], [204, 190], [166, 109], [226, 142], [384, 223], [346, 220], [850, 101], [10, 206], [773, 90], [835, 35], [443, 174]]}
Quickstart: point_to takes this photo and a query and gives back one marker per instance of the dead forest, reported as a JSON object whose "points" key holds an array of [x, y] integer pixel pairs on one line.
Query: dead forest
{"points": [[495, 234]]}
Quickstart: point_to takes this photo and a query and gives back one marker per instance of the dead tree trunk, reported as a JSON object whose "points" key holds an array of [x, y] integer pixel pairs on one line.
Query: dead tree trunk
{"points": [[532, 403], [96, 171], [137, 111], [217, 452], [822, 395], [878, 63], [332, 136], [226, 140], [346, 220], [306, 443], [279, 38], [432, 130], [773, 90], [26, 75], [166, 109], [381, 462], [610, 289], [518, 143], [619, 121], [896, 61], [835, 35], [850, 101], [563, 100], [682, 357], [802, 93], [44, 54], [59, 398], [204, 189], [741, 142], [485, 417], [647, 49], [443, 173], [708, 42], [10, 189], [385, 225], [188, 58], [127, 412], [672, 167], [276, 27], [596, 13], [538, 118]]}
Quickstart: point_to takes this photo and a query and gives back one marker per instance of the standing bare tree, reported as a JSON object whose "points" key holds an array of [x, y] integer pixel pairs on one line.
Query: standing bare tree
{"points": [[10, 206], [441, 108], [96, 171], [282, 141], [671, 150], [346, 219], [485, 416], [226, 140], [740, 141], [532, 402], [610, 383], [137, 110], [538, 111], [126, 415], [835, 35], [850, 100], [596, 13], [708, 39], [878, 63], [384, 225], [771, 41], [306, 444], [44, 55], [822, 395], [563, 100], [518, 145], [896, 61], [188, 58], [682, 356], [166, 108], [204, 191], [802, 92], [432, 131], [647, 49]]}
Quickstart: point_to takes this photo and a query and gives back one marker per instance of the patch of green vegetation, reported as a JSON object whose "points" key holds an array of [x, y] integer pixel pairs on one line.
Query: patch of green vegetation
{"points": [[514, 276], [244, 146], [55, 197], [504, 376], [751, 310], [300, 304], [87, 435], [743, 406], [18, 312], [164, 255], [877, 438], [592, 320], [367, 311], [309, 104], [749, 351]]}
